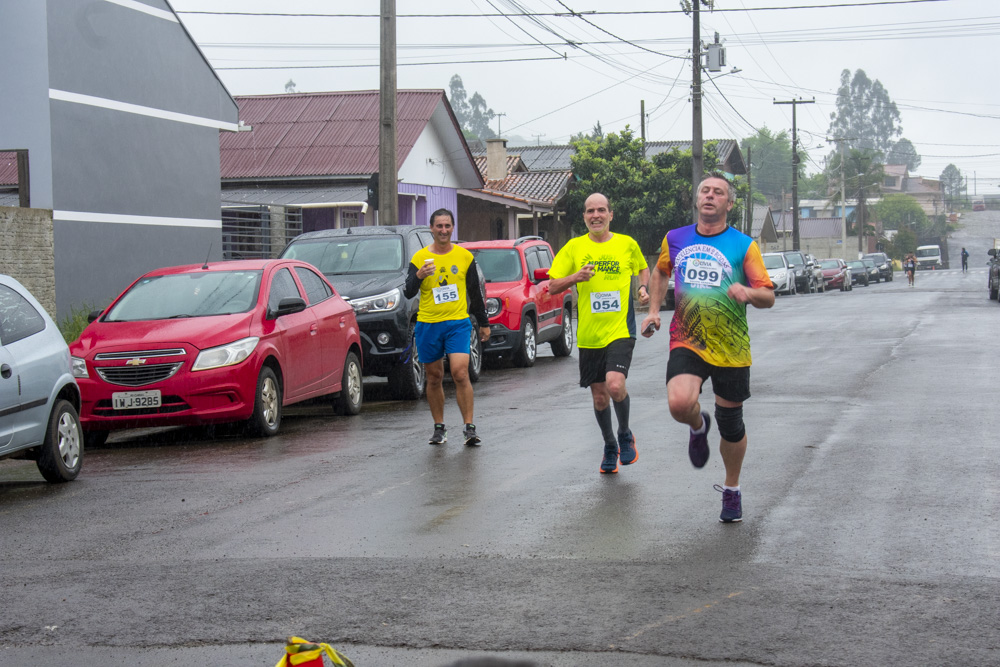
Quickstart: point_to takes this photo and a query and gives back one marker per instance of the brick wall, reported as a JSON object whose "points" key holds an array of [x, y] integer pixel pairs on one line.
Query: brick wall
{"points": [[27, 252]]}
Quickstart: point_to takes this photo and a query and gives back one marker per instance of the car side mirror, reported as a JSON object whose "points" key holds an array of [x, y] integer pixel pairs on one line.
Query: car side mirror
{"points": [[93, 315], [540, 274], [289, 305], [992, 252]]}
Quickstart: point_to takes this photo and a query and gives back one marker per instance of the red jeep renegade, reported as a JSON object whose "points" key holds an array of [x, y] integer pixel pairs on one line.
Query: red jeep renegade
{"points": [[522, 312]]}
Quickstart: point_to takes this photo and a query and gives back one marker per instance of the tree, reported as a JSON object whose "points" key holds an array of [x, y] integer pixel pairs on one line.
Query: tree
{"points": [[290, 87], [863, 177], [865, 114], [815, 186], [903, 152], [473, 114], [897, 211], [771, 161], [953, 184], [596, 134], [649, 197]]}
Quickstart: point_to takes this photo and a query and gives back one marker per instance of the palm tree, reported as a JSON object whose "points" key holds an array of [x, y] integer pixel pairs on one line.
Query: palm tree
{"points": [[863, 176]]}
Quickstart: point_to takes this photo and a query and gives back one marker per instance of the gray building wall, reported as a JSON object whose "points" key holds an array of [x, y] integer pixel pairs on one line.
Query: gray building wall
{"points": [[132, 115]]}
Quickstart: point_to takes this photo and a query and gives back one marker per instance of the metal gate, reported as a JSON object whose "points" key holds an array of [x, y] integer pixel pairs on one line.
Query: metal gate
{"points": [[258, 232]]}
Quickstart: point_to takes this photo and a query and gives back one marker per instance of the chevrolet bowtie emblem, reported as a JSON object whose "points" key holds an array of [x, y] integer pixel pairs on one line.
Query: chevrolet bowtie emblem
{"points": [[135, 362]]}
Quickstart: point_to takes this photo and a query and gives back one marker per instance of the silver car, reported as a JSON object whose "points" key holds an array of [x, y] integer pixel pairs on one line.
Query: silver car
{"points": [[782, 275], [39, 399]]}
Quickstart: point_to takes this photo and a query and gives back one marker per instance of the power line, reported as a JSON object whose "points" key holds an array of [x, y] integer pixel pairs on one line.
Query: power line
{"points": [[571, 14], [447, 62]]}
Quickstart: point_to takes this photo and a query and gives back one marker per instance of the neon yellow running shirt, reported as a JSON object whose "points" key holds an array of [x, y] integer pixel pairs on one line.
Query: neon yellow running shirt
{"points": [[605, 307]]}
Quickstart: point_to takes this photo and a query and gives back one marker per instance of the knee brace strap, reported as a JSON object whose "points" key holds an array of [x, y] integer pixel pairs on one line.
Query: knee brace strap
{"points": [[730, 423]]}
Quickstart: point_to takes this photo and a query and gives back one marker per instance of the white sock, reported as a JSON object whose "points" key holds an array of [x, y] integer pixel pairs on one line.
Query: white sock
{"points": [[704, 423], [732, 488]]}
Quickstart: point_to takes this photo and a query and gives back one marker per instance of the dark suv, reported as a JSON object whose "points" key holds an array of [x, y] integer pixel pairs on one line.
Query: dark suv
{"points": [[802, 266], [522, 311], [368, 266], [883, 263]]}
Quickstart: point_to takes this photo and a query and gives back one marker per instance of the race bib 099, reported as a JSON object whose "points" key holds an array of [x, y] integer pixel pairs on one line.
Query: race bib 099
{"points": [[605, 302], [702, 272]]}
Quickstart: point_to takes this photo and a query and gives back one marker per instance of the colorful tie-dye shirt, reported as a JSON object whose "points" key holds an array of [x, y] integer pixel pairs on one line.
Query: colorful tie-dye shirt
{"points": [[706, 320]]}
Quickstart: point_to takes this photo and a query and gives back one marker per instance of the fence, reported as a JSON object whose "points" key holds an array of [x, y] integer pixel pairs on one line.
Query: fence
{"points": [[258, 232]]}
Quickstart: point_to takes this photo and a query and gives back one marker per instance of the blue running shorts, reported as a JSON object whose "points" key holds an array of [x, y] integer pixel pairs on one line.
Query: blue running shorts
{"points": [[436, 339]]}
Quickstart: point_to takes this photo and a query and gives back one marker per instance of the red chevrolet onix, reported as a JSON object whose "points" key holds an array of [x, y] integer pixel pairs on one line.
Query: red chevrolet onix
{"points": [[215, 343]]}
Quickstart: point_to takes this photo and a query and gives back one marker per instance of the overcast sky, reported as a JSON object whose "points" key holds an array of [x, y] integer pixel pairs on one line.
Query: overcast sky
{"points": [[932, 57]]}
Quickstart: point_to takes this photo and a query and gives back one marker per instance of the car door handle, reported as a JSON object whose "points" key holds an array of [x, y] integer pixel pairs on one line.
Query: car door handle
{"points": [[6, 371], [313, 329], [343, 321]]}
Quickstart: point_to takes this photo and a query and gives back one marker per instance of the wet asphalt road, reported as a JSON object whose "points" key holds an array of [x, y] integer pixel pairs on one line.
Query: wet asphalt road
{"points": [[870, 504]]}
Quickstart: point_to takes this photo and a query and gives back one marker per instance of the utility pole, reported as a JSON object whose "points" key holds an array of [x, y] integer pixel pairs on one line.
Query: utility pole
{"points": [[795, 171], [388, 199], [840, 141], [748, 225], [498, 124], [538, 138], [642, 125], [697, 155]]}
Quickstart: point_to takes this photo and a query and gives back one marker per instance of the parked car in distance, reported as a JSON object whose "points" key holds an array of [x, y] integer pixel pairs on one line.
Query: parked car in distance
{"points": [[368, 266], [806, 279], [979, 204], [217, 343], [859, 273], [836, 275], [39, 399], [522, 312], [817, 272], [929, 257], [782, 276], [883, 263], [993, 283], [874, 275]]}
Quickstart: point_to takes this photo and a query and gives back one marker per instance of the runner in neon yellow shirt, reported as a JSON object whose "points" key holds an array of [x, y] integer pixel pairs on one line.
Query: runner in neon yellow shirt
{"points": [[601, 265]]}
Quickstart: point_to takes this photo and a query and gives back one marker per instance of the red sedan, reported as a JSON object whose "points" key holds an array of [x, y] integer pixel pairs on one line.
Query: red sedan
{"points": [[836, 274], [216, 343]]}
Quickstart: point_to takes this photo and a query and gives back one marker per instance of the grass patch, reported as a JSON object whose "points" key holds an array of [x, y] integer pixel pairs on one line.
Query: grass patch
{"points": [[73, 324]]}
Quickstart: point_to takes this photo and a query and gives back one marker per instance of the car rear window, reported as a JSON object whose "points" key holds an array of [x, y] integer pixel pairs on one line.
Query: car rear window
{"points": [[18, 318], [499, 265], [773, 262], [181, 295], [344, 255]]}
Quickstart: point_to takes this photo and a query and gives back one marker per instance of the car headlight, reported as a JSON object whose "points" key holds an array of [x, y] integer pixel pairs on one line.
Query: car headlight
{"points": [[225, 355], [492, 307], [379, 303], [79, 367]]}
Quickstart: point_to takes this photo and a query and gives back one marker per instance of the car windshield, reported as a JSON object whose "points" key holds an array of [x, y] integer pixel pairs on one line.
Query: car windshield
{"points": [[344, 255], [795, 258], [928, 252], [179, 295], [499, 265], [773, 262], [829, 264], [869, 263], [856, 265]]}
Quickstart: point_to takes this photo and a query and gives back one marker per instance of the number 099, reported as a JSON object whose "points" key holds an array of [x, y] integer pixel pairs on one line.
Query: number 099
{"points": [[694, 275]]}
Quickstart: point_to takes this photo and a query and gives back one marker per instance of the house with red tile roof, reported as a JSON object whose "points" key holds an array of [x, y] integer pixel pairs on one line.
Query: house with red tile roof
{"points": [[310, 156]]}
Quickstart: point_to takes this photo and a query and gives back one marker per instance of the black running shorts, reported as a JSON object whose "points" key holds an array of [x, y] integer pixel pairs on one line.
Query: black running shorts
{"points": [[729, 382], [596, 362]]}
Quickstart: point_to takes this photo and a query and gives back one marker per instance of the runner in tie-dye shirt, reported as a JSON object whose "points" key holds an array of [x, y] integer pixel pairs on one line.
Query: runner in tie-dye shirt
{"points": [[717, 271]]}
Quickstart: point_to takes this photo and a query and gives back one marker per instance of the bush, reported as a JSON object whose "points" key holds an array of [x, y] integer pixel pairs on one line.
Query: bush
{"points": [[73, 324]]}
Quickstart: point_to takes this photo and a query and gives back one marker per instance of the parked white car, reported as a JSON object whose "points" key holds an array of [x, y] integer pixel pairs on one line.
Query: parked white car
{"points": [[781, 274], [39, 399]]}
